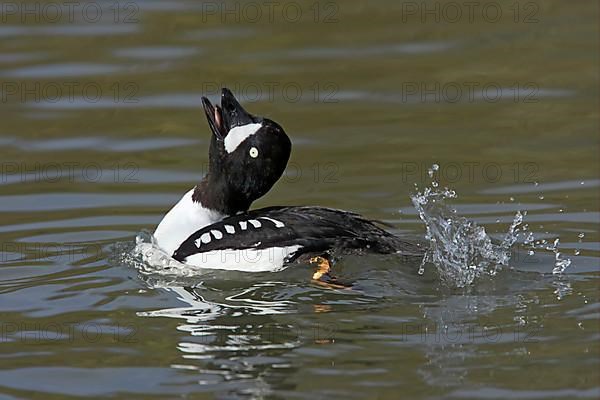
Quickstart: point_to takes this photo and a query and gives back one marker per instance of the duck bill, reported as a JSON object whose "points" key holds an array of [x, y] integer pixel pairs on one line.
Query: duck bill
{"points": [[215, 119], [233, 113], [230, 114]]}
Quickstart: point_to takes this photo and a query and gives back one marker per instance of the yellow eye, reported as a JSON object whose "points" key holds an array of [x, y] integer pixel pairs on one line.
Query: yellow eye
{"points": [[253, 152]]}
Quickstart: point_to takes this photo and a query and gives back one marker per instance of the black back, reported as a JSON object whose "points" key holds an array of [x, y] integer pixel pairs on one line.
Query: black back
{"points": [[316, 229]]}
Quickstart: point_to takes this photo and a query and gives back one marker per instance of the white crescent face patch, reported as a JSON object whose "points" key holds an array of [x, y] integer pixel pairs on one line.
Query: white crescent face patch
{"points": [[237, 135]]}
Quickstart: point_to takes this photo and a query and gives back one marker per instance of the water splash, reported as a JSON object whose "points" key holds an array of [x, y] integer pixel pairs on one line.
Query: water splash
{"points": [[580, 237], [460, 248], [560, 263], [149, 259]]}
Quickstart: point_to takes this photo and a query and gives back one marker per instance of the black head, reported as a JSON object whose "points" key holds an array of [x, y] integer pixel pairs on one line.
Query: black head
{"points": [[247, 155]]}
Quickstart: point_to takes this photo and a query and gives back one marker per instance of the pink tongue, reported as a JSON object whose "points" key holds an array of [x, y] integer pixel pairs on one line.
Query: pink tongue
{"points": [[217, 118]]}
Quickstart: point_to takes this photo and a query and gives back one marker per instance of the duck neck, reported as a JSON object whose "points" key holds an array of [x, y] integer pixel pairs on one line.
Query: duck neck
{"points": [[216, 194]]}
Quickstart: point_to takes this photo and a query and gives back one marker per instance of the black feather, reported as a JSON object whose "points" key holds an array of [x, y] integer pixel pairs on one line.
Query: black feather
{"points": [[316, 229]]}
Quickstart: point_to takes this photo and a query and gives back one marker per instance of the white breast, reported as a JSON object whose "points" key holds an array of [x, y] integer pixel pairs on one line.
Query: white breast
{"points": [[185, 218]]}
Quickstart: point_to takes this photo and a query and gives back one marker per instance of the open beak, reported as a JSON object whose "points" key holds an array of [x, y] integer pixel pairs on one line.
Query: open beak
{"points": [[215, 119], [230, 114]]}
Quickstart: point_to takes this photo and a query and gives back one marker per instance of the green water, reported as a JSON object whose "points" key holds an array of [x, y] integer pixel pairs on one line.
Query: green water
{"points": [[102, 131]]}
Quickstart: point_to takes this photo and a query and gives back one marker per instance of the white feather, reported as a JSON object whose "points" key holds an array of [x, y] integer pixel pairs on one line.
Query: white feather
{"points": [[237, 135], [185, 218], [278, 224], [205, 238], [248, 260]]}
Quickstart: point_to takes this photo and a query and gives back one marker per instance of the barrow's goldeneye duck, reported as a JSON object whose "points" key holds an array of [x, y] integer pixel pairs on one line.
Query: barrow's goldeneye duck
{"points": [[212, 226]]}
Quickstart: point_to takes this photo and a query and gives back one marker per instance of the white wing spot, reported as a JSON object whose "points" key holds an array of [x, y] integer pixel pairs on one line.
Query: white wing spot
{"points": [[278, 224], [217, 234], [243, 225], [255, 223], [229, 229], [205, 238], [197, 242]]}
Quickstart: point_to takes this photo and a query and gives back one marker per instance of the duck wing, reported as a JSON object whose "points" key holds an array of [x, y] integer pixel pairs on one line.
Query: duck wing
{"points": [[305, 229]]}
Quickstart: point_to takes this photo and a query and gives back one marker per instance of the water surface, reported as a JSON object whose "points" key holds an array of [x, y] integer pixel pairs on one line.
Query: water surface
{"points": [[102, 131]]}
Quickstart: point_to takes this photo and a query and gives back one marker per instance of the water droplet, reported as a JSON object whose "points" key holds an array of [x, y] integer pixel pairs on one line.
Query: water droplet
{"points": [[582, 183], [541, 197], [581, 235], [431, 171], [512, 199], [577, 252]]}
